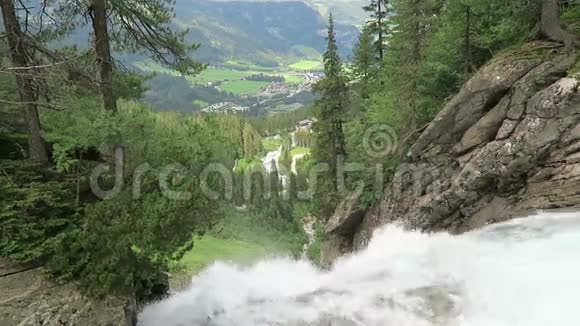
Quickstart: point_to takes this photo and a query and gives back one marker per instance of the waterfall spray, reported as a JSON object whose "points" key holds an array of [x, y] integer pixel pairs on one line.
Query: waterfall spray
{"points": [[523, 272]]}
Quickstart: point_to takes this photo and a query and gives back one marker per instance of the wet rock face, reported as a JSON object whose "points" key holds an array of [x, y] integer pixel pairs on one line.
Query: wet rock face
{"points": [[506, 144], [347, 216], [341, 227], [28, 299]]}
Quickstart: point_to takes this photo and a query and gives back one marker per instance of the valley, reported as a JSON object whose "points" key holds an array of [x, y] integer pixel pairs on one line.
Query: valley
{"points": [[263, 57], [240, 87], [289, 163]]}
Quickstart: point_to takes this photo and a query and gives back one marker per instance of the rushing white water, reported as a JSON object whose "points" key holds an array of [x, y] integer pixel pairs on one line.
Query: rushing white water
{"points": [[272, 158], [524, 272]]}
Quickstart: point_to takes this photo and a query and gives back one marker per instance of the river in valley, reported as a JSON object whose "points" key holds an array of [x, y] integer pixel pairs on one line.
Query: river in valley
{"points": [[523, 272]]}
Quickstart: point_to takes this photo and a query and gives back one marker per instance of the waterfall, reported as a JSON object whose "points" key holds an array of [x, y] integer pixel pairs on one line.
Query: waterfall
{"points": [[522, 272]]}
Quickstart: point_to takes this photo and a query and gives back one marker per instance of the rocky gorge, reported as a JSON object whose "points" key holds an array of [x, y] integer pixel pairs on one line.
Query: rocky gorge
{"points": [[507, 144]]}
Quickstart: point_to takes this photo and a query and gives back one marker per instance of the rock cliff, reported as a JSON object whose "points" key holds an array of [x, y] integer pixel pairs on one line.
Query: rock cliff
{"points": [[27, 298], [508, 143]]}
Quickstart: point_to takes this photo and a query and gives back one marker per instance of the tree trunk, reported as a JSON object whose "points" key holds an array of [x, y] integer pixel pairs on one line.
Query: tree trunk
{"points": [[467, 55], [415, 62], [103, 49], [550, 24], [37, 147], [381, 41]]}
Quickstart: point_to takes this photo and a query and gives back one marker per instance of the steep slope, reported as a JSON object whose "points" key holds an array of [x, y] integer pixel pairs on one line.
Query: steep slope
{"points": [[508, 143]]}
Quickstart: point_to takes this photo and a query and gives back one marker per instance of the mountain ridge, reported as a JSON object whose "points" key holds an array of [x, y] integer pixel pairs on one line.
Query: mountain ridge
{"points": [[345, 11], [262, 32]]}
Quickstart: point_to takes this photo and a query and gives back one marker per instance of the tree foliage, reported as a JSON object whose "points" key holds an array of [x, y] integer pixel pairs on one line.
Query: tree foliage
{"points": [[365, 64], [378, 25], [122, 244], [330, 147], [432, 48], [37, 209]]}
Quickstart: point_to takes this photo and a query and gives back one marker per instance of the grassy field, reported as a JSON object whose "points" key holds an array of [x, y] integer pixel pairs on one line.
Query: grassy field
{"points": [[244, 66], [231, 76], [245, 163], [200, 103], [271, 144], [306, 65], [210, 249], [212, 75], [299, 151], [293, 78], [243, 87], [242, 237]]}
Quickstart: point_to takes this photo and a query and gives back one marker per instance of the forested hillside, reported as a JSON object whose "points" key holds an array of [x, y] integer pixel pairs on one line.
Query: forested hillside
{"points": [[117, 196], [373, 111], [100, 188]]}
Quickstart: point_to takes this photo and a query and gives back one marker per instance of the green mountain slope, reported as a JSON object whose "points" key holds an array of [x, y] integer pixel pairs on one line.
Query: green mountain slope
{"points": [[264, 33], [345, 11]]}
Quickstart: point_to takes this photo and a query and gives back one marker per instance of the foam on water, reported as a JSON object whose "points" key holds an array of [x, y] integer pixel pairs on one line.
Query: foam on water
{"points": [[524, 272]]}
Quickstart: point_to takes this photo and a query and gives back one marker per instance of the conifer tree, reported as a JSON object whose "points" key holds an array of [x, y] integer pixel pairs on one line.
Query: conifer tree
{"points": [[364, 62], [275, 186], [330, 143], [292, 188], [133, 26], [414, 21], [379, 11], [463, 37], [21, 53]]}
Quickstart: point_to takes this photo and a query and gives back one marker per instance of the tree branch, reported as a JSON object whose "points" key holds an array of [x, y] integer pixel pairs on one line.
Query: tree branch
{"points": [[47, 105], [49, 65]]}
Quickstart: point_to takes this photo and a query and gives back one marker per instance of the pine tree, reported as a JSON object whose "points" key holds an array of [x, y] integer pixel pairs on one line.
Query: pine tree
{"points": [[378, 26], [135, 26], [414, 23], [292, 188], [464, 36], [330, 143], [103, 50], [275, 185], [21, 54], [365, 62]]}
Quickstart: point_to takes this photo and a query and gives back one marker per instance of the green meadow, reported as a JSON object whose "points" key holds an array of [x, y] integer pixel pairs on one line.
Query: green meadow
{"points": [[299, 151], [209, 249], [306, 65], [231, 75]]}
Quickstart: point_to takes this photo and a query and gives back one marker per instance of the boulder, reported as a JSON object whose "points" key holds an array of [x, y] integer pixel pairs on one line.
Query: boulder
{"points": [[341, 227], [347, 216], [333, 247]]}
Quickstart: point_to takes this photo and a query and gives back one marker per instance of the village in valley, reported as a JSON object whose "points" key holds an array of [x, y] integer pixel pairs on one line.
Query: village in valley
{"points": [[269, 97]]}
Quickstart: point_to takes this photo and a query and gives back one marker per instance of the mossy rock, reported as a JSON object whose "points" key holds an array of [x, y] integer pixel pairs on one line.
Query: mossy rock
{"points": [[533, 50], [576, 68]]}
